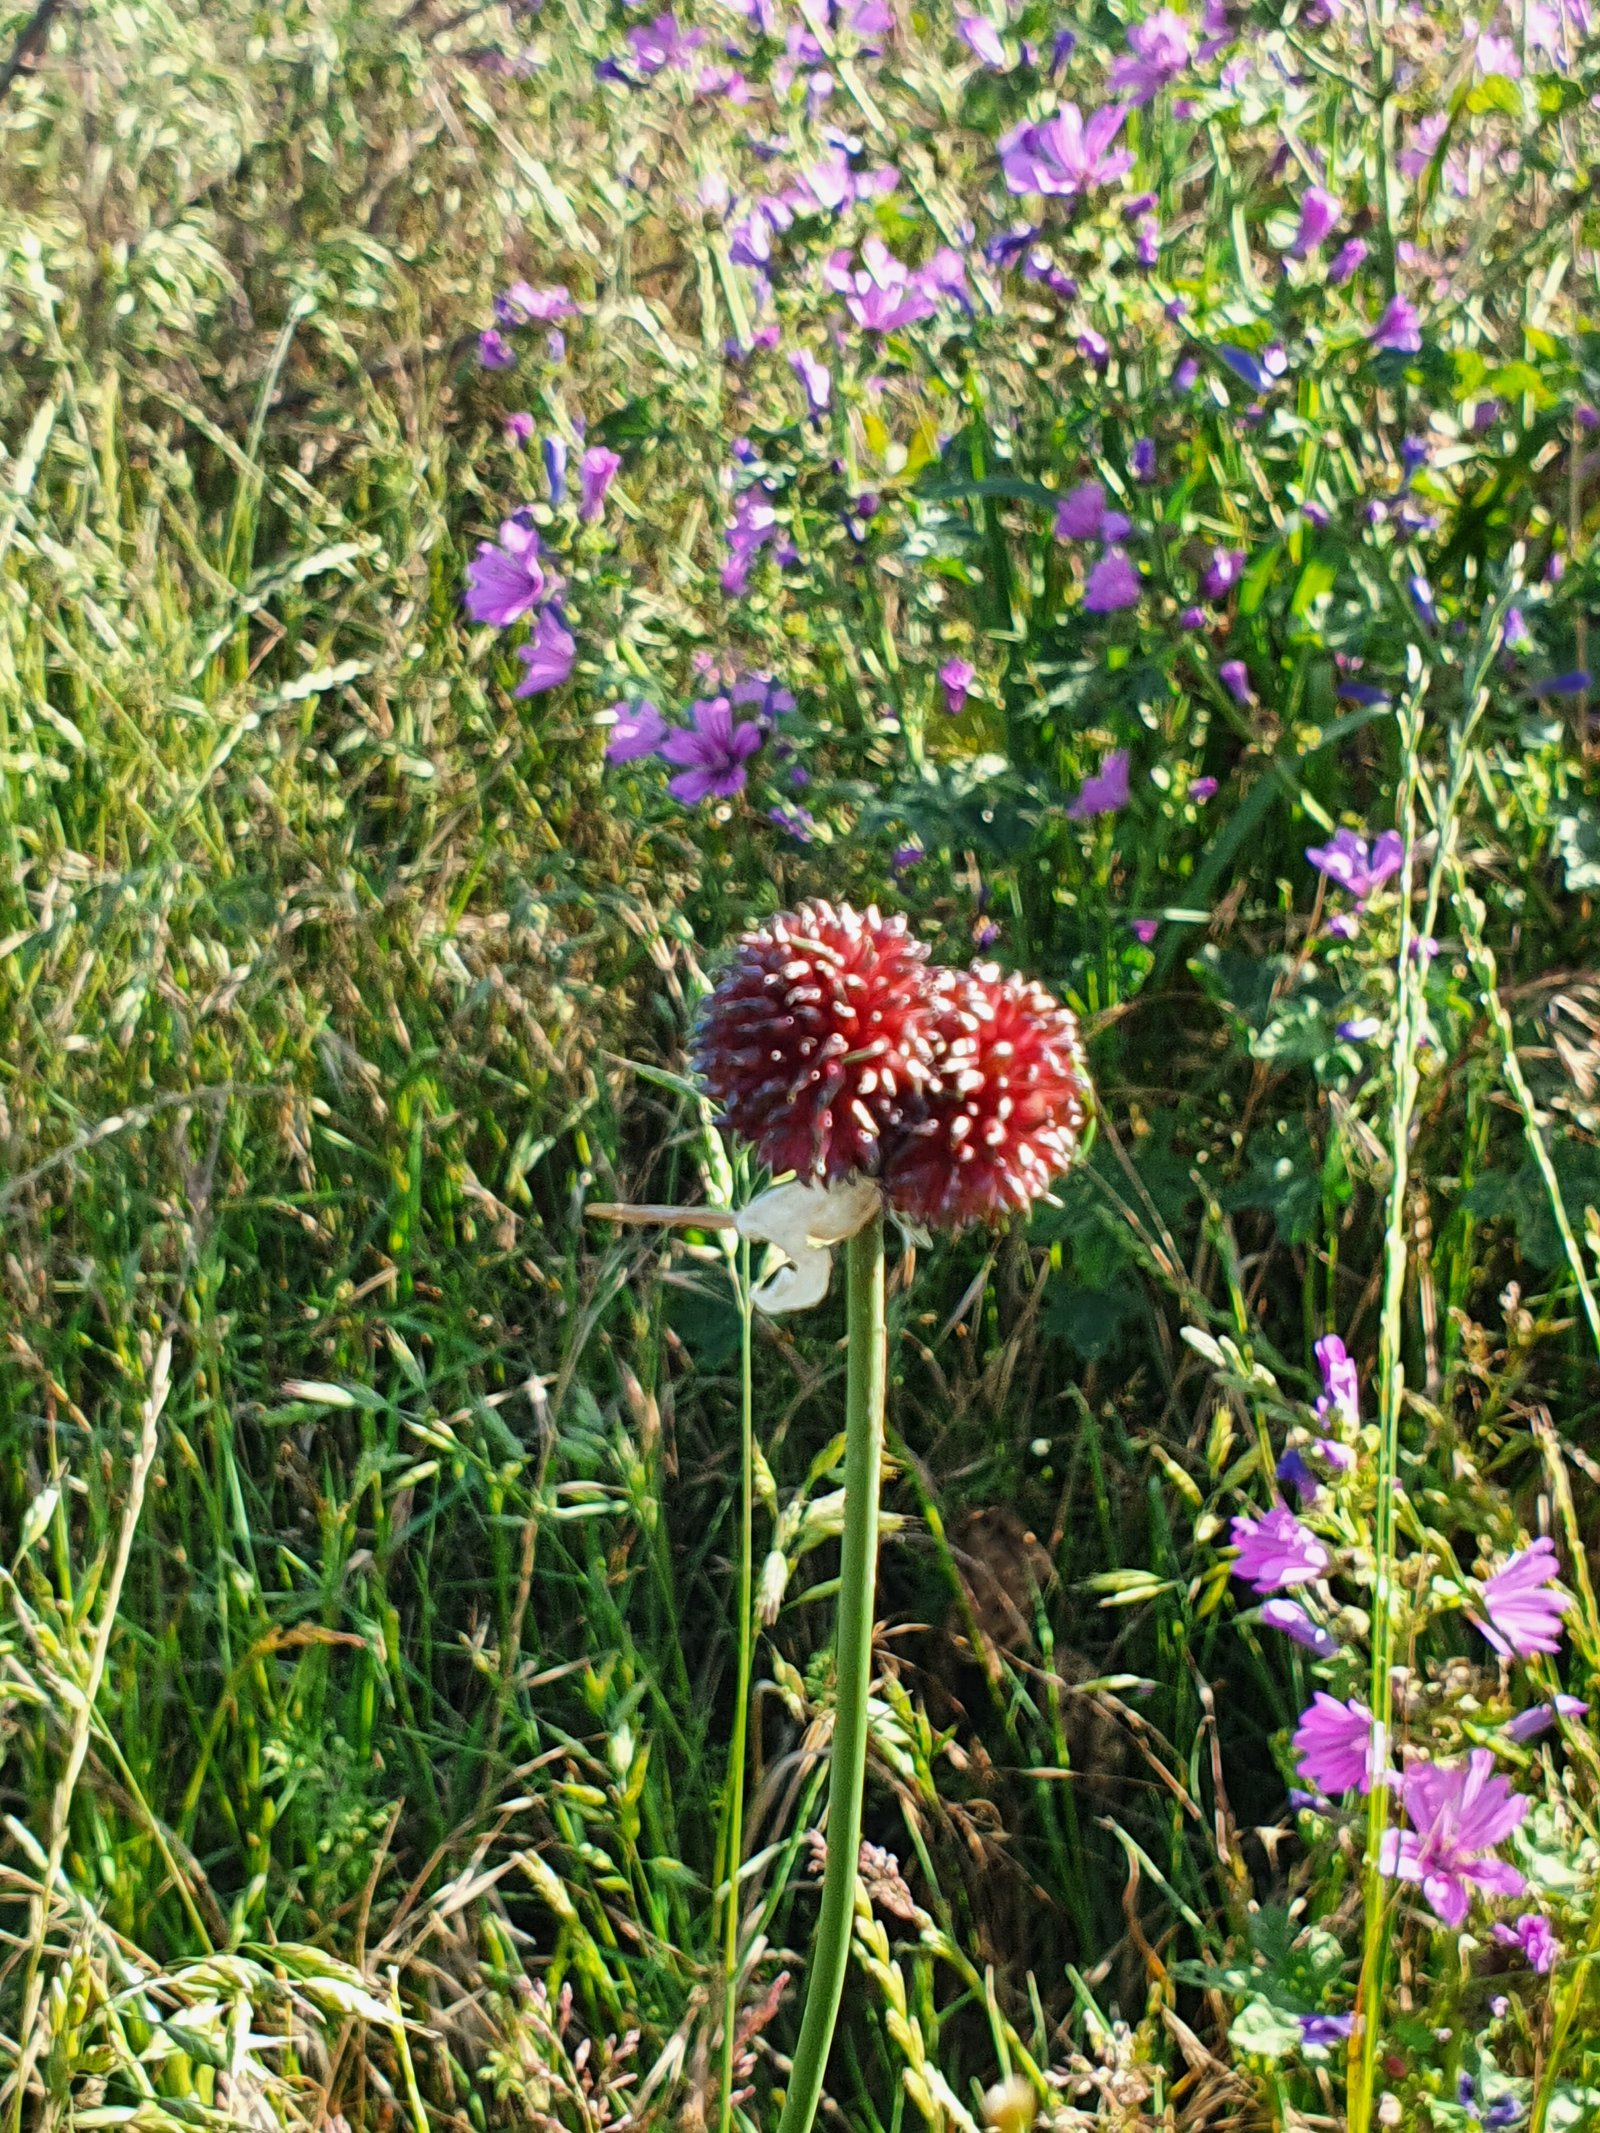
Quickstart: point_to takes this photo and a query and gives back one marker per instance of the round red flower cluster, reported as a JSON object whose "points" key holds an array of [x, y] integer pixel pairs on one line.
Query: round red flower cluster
{"points": [[836, 1050]]}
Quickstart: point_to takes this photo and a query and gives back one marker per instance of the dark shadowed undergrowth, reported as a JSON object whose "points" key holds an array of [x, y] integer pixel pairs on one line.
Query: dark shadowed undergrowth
{"points": [[370, 1632]]}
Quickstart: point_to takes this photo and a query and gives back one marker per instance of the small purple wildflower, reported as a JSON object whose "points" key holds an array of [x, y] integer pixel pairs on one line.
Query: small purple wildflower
{"points": [[548, 656], [817, 380], [985, 933], [1081, 513], [1524, 1616], [1202, 789], [1222, 573], [956, 677], [1289, 1617], [1063, 156], [1345, 859], [1347, 262], [1399, 329], [1294, 1472], [1113, 584], [1192, 618], [1358, 1029], [1535, 1936], [522, 305], [1336, 1746], [1540, 1717], [882, 293], [1576, 683], [799, 822], [519, 429], [904, 857], [983, 40], [1341, 1389], [1459, 1813], [495, 351], [765, 694], [1326, 2029], [554, 450], [661, 44], [1275, 1550], [506, 581], [1144, 930], [595, 477], [1143, 459], [1519, 638], [637, 729], [713, 752], [1319, 211], [1105, 791], [1235, 678], [1185, 375]]}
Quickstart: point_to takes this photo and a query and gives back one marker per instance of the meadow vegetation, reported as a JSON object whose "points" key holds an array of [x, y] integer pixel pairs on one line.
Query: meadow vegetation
{"points": [[495, 501]]}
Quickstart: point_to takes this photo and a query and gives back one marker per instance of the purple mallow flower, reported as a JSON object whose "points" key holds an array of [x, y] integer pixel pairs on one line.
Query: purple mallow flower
{"points": [[1319, 211], [1535, 1936], [595, 477], [1336, 1746], [1399, 329], [548, 656], [660, 44], [1291, 1619], [1540, 1717], [1160, 49], [1459, 1813], [713, 752], [882, 293], [494, 351], [956, 677], [1063, 156], [506, 580], [519, 429], [1113, 584], [1202, 790], [1276, 1550], [1347, 860], [637, 730], [522, 304], [1524, 1615], [1105, 791]]}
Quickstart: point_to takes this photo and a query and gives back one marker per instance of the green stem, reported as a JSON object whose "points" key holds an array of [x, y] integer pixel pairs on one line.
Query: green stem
{"points": [[858, 1568], [733, 1848]]}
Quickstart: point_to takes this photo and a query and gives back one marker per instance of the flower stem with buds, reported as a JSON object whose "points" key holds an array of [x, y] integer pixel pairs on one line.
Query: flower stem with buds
{"points": [[858, 1577]]}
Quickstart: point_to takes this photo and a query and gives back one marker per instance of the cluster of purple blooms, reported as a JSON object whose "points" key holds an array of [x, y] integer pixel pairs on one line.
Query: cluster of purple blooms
{"points": [[1458, 1814]]}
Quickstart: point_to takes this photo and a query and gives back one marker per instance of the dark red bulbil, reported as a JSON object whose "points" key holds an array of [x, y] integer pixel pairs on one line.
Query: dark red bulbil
{"points": [[1006, 1111], [817, 1039]]}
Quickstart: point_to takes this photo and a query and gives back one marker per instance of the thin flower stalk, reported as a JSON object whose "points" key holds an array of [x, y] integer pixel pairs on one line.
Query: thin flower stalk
{"points": [[1409, 1027], [830, 1951]]}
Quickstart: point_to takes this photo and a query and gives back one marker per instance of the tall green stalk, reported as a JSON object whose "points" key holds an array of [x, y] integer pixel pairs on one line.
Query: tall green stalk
{"points": [[1444, 800], [858, 1567], [733, 1828]]}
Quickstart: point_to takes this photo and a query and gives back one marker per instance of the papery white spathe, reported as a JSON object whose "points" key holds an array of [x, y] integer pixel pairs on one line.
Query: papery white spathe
{"points": [[804, 1222]]}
